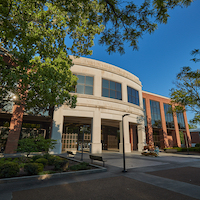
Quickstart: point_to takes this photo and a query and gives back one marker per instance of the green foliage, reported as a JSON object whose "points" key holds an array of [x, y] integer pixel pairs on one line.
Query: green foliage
{"points": [[33, 168], [192, 126], [187, 91], [197, 145], [27, 145], [51, 158], [43, 145], [81, 166], [38, 144], [61, 165], [34, 34], [42, 160], [34, 158], [9, 169]]}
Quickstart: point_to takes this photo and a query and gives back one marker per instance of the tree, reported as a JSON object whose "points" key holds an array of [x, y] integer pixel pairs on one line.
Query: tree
{"points": [[35, 65], [187, 91], [192, 126]]}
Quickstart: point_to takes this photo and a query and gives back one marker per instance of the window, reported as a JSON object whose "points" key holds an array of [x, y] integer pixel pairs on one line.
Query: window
{"points": [[180, 119], [145, 114], [111, 89], [133, 95], [168, 116], [155, 114], [84, 85]]}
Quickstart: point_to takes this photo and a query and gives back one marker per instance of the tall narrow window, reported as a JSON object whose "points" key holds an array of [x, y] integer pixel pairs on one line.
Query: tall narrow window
{"points": [[180, 119], [84, 85], [168, 116], [155, 114], [133, 95], [111, 89]]}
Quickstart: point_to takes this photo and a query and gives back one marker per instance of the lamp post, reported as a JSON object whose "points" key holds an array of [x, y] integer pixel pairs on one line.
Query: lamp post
{"points": [[124, 170]]}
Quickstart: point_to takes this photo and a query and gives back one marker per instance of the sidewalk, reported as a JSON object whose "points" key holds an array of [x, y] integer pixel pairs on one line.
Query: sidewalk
{"points": [[169, 176]]}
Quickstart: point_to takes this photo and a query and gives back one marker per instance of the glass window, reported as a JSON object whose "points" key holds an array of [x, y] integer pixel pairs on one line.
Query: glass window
{"points": [[133, 96], [84, 85], [168, 116], [111, 89], [155, 114], [180, 119]]}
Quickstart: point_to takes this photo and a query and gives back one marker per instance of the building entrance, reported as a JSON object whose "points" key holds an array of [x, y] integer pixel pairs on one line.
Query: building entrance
{"points": [[110, 138], [76, 136]]}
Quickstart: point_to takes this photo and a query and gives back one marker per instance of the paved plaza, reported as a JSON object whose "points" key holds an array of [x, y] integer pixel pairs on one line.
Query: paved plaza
{"points": [[169, 176]]}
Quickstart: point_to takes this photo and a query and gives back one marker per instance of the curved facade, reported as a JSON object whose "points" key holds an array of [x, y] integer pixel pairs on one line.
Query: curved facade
{"points": [[104, 94]]}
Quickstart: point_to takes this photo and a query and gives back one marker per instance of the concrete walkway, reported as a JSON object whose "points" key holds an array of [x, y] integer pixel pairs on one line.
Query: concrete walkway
{"points": [[169, 176]]}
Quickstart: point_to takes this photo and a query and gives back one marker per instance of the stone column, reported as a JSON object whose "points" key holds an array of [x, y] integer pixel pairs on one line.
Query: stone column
{"points": [[187, 129], [127, 145], [132, 137], [149, 125], [178, 140], [124, 93], [96, 146], [164, 127], [57, 129], [141, 137]]}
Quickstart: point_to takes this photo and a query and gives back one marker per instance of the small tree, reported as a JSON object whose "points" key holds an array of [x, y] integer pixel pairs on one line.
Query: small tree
{"points": [[187, 91], [39, 144]]}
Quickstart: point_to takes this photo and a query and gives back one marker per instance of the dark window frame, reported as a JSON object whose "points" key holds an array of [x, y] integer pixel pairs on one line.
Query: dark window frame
{"points": [[84, 84], [133, 96], [109, 91], [156, 120]]}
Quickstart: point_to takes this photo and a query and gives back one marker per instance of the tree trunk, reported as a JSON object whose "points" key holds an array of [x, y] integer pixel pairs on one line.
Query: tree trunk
{"points": [[15, 129]]}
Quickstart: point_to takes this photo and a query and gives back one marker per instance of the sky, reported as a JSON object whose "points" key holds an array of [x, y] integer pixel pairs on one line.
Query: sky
{"points": [[162, 54]]}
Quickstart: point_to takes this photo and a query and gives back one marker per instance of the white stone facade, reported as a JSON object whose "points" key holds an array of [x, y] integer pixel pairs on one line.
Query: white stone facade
{"points": [[96, 108]]}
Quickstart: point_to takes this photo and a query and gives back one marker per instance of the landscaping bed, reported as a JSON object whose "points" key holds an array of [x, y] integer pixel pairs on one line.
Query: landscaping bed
{"points": [[38, 165]]}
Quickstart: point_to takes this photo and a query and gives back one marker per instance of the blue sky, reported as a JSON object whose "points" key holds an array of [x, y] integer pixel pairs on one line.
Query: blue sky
{"points": [[162, 54]]}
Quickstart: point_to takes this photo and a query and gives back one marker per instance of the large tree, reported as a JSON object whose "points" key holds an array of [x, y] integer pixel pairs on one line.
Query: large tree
{"points": [[187, 91], [37, 70]]}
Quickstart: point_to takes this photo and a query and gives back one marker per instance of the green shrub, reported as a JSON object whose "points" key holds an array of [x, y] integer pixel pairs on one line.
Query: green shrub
{"points": [[38, 144], [42, 160], [81, 166], [34, 158], [24, 159], [47, 156], [33, 168], [52, 160], [9, 159], [197, 145], [61, 165], [9, 169], [2, 160]]}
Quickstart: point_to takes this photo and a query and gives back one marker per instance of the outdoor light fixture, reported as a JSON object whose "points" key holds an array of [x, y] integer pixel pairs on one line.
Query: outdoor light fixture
{"points": [[124, 170]]}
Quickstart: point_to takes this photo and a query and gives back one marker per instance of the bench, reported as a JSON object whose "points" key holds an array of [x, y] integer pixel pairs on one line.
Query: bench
{"points": [[99, 158], [70, 153]]}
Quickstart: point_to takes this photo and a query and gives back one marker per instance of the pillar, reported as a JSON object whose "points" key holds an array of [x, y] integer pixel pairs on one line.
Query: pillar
{"points": [[127, 145], [57, 129], [141, 136], [164, 127], [187, 129], [149, 125], [96, 146], [178, 140]]}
